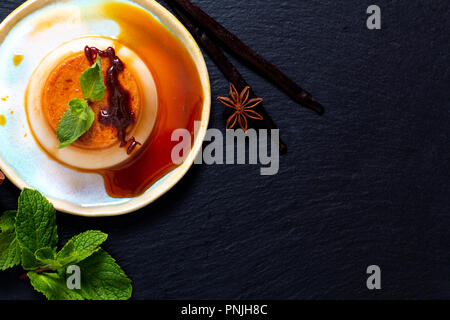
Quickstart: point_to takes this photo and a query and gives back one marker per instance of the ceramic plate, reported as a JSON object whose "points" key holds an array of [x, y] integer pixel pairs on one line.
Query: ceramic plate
{"points": [[22, 160]]}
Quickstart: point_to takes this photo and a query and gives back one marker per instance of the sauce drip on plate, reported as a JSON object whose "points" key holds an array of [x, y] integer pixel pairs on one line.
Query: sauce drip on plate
{"points": [[180, 97]]}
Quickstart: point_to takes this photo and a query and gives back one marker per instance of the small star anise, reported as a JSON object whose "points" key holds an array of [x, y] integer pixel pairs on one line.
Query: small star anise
{"points": [[242, 106]]}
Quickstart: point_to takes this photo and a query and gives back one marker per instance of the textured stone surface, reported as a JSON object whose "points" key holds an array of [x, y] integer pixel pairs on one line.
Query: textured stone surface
{"points": [[367, 183]]}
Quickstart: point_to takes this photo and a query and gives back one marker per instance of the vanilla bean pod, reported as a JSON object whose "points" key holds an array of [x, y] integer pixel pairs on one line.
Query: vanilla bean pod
{"points": [[257, 62], [225, 66]]}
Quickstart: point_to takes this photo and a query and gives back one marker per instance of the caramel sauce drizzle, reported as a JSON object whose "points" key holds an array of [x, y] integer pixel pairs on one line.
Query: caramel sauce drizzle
{"points": [[119, 113]]}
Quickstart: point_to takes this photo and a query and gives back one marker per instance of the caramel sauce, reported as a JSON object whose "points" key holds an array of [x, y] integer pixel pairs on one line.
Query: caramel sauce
{"points": [[180, 97], [63, 85], [119, 114], [17, 59]]}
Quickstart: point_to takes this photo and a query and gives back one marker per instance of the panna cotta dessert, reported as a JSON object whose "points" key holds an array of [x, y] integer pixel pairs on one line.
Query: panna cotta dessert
{"points": [[92, 93], [82, 122]]}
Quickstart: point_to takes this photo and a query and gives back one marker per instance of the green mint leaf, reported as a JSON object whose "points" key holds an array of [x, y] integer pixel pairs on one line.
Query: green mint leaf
{"points": [[75, 122], [47, 256], [103, 279], [8, 221], [35, 226], [9, 246], [29, 261], [67, 253], [91, 81], [77, 106], [30, 236], [9, 250], [53, 286], [80, 247]]}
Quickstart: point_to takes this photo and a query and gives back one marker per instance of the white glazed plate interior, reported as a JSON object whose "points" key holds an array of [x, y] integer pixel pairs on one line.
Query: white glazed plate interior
{"points": [[21, 159]]}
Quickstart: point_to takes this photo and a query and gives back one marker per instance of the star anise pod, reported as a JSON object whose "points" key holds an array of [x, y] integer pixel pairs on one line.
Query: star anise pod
{"points": [[2, 177], [242, 107]]}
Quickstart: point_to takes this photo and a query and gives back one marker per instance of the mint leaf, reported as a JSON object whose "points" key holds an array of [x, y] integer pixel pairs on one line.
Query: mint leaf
{"points": [[103, 279], [75, 122], [35, 226], [53, 286], [9, 250], [46, 255], [79, 117], [81, 246], [29, 261], [30, 236], [91, 81], [8, 220], [9, 246]]}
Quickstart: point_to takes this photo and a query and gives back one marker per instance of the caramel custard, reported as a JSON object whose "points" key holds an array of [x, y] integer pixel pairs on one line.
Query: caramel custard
{"points": [[162, 80], [63, 85], [57, 80]]}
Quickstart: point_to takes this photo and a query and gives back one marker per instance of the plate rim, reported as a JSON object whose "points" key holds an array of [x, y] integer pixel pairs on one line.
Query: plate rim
{"points": [[171, 178]]}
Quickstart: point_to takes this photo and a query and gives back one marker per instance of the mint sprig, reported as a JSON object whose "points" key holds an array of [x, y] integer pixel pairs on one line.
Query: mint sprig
{"points": [[75, 122], [29, 237], [35, 226], [53, 286], [79, 117], [91, 82]]}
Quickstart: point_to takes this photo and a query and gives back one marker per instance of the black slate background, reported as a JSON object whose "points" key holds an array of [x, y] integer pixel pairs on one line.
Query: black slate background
{"points": [[367, 183]]}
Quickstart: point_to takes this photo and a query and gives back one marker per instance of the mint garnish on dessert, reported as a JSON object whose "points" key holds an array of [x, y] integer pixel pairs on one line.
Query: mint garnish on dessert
{"points": [[75, 122], [79, 117], [91, 82]]}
